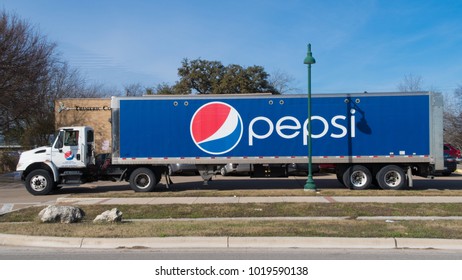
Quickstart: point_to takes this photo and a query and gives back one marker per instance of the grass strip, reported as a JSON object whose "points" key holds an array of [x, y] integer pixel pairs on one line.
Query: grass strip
{"points": [[344, 228], [282, 209], [26, 221]]}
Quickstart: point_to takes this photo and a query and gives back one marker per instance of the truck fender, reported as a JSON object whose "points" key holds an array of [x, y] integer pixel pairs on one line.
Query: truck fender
{"points": [[55, 171], [46, 165]]}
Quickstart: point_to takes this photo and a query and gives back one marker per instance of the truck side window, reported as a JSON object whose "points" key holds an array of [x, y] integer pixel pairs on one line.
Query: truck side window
{"points": [[90, 136], [71, 138], [59, 141]]}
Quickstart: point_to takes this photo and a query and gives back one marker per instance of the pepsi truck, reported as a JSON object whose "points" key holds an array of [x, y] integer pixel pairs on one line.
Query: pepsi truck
{"points": [[370, 138]]}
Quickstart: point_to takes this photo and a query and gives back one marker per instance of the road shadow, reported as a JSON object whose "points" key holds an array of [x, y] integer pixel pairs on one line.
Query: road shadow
{"points": [[452, 182], [93, 189], [218, 183], [245, 183]]}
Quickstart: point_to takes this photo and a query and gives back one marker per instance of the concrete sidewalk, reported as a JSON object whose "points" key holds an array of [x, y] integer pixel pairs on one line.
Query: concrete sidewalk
{"points": [[258, 199]]}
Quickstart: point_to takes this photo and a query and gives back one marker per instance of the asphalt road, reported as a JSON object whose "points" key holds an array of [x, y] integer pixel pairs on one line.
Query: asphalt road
{"points": [[34, 253]]}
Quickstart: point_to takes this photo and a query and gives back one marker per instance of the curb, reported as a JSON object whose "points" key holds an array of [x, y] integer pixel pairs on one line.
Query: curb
{"points": [[229, 242]]}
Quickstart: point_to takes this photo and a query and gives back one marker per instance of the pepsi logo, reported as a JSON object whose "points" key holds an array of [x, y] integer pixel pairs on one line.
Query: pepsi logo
{"points": [[69, 155], [216, 128]]}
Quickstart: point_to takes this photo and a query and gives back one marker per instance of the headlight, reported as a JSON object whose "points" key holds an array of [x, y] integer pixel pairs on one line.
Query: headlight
{"points": [[19, 166]]}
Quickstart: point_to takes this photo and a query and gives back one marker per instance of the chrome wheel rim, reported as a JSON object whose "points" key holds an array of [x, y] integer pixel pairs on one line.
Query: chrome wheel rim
{"points": [[38, 183], [142, 181]]}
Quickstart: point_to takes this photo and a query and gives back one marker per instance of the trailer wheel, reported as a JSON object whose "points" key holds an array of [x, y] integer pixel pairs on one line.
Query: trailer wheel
{"points": [[357, 177], [391, 177], [143, 180], [39, 182]]}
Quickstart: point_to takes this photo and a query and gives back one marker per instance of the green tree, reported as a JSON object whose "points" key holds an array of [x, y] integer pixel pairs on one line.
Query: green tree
{"points": [[238, 79], [212, 77], [199, 76], [164, 88]]}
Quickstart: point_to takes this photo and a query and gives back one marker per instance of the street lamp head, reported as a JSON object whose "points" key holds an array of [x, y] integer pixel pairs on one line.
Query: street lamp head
{"points": [[309, 59]]}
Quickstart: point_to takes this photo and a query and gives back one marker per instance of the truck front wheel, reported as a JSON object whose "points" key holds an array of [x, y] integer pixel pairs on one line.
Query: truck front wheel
{"points": [[391, 177], [39, 182], [143, 180]]}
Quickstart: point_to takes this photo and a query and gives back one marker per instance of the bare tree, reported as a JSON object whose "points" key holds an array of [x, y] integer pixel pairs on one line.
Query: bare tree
{"points": [[32, 77], [453, 118], [410, 83], [61, 82], [452, 115], [281, 81], [135, 89], [24, 63]]}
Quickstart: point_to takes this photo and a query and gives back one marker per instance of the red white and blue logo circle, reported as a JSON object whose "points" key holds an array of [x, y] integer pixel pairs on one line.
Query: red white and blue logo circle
{"points": [[216, 128], [69, 155]]}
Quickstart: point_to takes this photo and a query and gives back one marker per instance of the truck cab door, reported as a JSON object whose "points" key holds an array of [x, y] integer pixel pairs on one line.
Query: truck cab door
{"points": [[67, 149], [88, 149]]}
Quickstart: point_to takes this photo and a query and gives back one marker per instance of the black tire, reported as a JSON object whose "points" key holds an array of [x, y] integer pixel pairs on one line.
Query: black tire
{"points": [[391, 177], [39, 182], [357, 177], [143, 180]]}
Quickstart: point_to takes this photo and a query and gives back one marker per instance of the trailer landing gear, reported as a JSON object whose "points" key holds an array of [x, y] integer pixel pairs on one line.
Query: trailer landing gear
{"points": [[207, 172]]}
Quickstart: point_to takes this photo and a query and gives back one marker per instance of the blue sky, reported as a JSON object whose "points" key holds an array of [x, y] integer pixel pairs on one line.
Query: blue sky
{"points": [[359, 45]]}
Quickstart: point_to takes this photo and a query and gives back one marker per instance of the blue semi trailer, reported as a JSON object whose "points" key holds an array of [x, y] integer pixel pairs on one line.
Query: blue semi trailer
{"points": [[381, 138]]}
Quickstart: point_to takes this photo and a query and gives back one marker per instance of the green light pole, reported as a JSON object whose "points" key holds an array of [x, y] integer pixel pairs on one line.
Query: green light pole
{"points": [[310, 185]]}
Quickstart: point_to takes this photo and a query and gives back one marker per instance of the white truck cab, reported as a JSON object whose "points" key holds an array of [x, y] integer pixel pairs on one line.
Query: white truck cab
{"points": [[73, 147], [44, 168]]}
